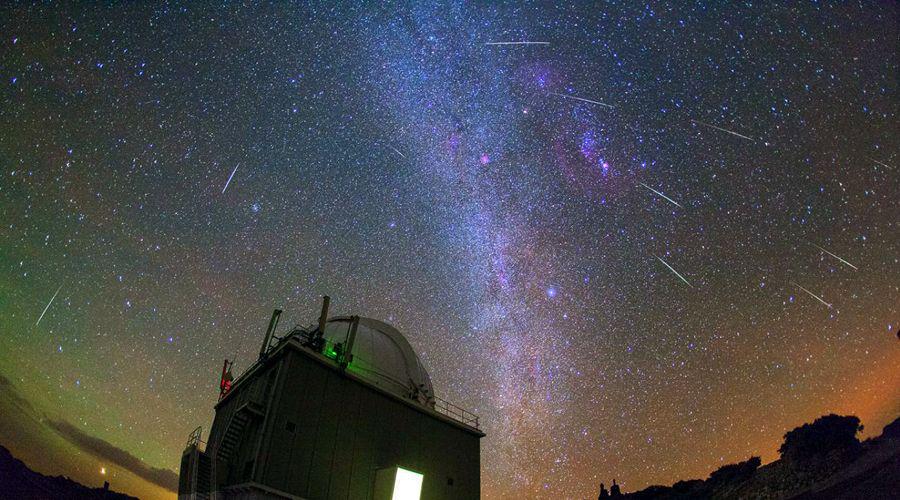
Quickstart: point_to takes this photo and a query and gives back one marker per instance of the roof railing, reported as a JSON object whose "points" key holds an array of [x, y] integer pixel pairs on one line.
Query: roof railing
{"points": [[455, 412]]}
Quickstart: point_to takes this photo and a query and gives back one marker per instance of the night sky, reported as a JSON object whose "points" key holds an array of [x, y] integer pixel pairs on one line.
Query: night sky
{"points": [[642, 245]]}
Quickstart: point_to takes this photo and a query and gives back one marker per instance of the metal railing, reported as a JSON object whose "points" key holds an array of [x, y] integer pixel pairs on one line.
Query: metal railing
{"points": [[194, 439], [455, 412]]}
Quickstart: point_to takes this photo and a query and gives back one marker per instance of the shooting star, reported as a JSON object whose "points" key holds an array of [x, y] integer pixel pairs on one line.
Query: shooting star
{"points": [[885, 165], [582, 99], [724, 130], [835, 256], [48, 306], [517, 43], [398, 152], [229, 178], [813, 295], [674, 271], [664, 196]]}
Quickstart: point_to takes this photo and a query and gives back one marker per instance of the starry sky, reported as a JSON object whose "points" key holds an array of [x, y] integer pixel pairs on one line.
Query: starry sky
{"points": [[642, 245]]}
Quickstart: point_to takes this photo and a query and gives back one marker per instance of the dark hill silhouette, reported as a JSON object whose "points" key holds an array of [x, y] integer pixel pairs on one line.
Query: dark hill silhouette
{"points": [[821, 460], [19, 482]]}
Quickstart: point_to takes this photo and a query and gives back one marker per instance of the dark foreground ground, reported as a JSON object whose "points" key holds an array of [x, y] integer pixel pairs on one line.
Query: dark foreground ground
{"points": [[19, 482], [829, 467], [821, 461]]}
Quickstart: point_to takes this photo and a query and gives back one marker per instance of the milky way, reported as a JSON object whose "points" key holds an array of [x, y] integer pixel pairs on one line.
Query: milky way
{"points": [[612, 231]]}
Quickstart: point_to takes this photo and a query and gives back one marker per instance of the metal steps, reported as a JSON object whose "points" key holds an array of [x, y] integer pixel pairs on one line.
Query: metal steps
{"points": [[203, 476], [235, 429], [232, 435]]}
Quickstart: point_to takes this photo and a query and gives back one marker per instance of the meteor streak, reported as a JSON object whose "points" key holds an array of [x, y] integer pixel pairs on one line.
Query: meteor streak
{"points": [[229, 178], [581, 99], [398, 152], [723, 130], [48, 306], [674, 271], [835, 256], [813, 295], [664, 196], [885, 165], [517, 43]]}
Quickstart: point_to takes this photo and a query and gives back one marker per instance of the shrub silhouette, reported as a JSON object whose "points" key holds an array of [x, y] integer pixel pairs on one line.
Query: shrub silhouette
{"points": [[831, 432], [735, 472], [892, 430]]}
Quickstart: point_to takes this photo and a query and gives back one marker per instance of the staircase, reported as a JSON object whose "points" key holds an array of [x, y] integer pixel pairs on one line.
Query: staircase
{"points": [[203, 476], [232, 436], [231, 439], [235, 430]]}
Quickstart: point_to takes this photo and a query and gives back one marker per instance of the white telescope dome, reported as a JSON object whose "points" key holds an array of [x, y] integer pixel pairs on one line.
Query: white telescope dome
{"points": [[383, 357]]}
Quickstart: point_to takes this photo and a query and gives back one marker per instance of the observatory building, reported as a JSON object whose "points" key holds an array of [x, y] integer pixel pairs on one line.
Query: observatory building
{"points": [[342, 409]]}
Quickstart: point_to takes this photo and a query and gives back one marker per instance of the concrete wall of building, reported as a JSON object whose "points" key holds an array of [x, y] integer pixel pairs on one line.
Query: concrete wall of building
{"points": [[326, 435]]}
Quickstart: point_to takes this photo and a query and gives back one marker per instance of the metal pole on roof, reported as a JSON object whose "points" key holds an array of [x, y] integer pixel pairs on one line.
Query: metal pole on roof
{"points": [[323, 318], [273, 323], [351, 338]]}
